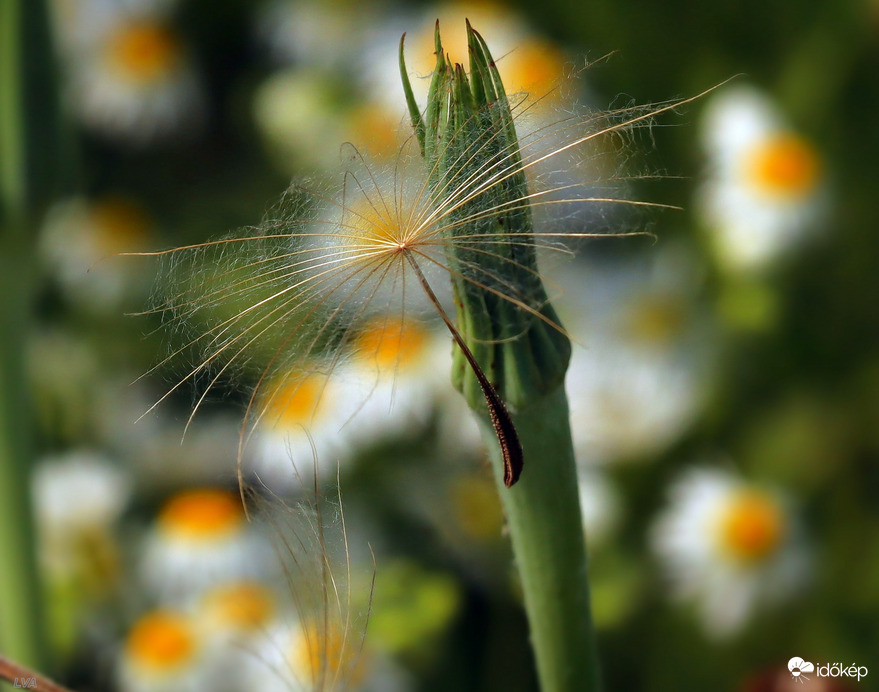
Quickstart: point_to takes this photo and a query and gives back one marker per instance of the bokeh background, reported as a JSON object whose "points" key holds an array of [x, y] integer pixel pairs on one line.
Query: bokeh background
{"points": [[725, 387]]}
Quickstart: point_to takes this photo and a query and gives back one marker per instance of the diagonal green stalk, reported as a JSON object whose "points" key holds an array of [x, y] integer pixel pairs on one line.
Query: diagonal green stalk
{"points": [[468, 139]]}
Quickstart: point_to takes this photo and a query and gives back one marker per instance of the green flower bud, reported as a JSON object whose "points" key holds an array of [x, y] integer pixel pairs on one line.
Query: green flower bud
{"points": [[468, 139]]}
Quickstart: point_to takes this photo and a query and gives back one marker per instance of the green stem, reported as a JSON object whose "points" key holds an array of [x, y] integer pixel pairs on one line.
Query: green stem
{"points": [[27, 168], [20, 613], [546, 529], [512, 349], [13, 174]]}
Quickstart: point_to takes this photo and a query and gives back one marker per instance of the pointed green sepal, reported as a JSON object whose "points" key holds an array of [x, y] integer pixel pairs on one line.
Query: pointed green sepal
{"points": [[504, 313], [414, 112]]}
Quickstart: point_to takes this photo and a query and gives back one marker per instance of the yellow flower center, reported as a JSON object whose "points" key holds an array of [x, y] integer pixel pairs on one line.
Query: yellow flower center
{"points": [[327, 655], [752, 526], [655, 320], [475, 508], [242, 606], [374, 128], [784, 166], [391, 343], [161, 642], [534, 65], [144, 51], [202, 514], [120, 224], [295, 401], [368, 226]]}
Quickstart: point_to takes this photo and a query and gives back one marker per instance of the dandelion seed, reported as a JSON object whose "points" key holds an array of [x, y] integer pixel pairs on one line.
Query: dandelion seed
{"points": [[289, 298], [321, 646]]}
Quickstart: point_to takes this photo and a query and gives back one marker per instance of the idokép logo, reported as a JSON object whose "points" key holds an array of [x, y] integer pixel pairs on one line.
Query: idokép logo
{"points": [[799, 667]]}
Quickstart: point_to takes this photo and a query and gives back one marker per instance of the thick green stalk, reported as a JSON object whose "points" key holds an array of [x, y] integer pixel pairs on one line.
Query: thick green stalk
{"points": [[543, 514], [29, 164], [468, 139], [20, 614], [12, 158]]}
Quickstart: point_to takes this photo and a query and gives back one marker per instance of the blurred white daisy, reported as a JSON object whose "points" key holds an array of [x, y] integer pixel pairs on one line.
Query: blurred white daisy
{"points": [[304, 117], [472, 504], [78, 497], [201, 538], [387, 386], [297, 111], [600, 504], [130, 74], [731, 547], [630, 405], [64, 371], [459, 434], [764, 193], [237, 608], [78, 233], [396, 371], [166, 459], [298, 431], [79, 491], [162, 653], [643, 375], [312, 32], [159, 453], [374, 128], [234, 619], [309, 656], [464, 510]]}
